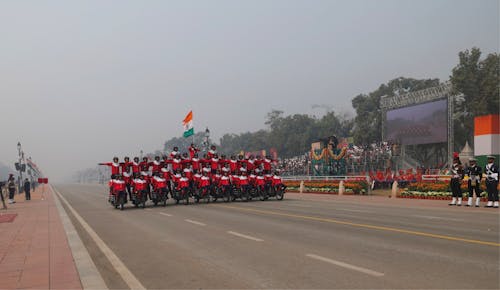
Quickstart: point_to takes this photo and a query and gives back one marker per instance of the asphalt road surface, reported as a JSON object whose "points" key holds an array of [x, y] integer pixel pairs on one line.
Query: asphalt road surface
{"points": [[305, 241]]}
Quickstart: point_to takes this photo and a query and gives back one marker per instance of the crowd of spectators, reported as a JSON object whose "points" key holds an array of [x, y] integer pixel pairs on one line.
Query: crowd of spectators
{"points": [[374, 160], [298, 165]]}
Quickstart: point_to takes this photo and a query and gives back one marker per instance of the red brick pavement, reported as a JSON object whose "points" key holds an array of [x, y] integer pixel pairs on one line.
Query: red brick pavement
{"points": [[34, 251]]}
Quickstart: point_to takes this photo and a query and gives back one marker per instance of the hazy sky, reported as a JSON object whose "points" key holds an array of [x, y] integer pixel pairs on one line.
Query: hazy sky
{"points": [[82, 81]]}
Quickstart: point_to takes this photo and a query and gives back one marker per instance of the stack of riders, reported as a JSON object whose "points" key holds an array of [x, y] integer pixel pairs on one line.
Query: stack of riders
{"points": [[184, 176], [475, 175]]}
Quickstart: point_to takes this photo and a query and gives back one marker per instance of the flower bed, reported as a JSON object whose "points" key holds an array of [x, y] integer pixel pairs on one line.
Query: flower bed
{"points": [[438, 186], [329, 187], [435, 190], [442, 195]]}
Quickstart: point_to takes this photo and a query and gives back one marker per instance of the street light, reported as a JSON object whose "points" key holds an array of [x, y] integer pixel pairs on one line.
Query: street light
{"points": [[20, 166], [207, 139]]}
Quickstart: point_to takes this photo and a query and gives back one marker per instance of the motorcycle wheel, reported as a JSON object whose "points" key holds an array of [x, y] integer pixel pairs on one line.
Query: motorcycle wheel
{"points": [[279, 194], [165, 202], [227, 197], [122, 202], [262, 195], [196, 199]]}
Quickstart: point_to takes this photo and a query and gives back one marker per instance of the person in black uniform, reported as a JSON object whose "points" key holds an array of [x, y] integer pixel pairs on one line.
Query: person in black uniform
{"points": [[457, 175], [491, 171], [27, 189], [475, 174]]}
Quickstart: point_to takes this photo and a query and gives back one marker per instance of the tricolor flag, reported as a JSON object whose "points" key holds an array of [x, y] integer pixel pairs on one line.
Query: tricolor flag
{"points": [[486, 137], [188, 125]]}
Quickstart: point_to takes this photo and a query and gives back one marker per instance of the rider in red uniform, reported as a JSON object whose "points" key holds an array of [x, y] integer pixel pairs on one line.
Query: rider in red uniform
{"points": [[192, 150], [115, 166]]}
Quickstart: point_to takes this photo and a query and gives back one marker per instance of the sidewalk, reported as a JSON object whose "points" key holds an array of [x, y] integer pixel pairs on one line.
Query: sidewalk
{"points": [[34, 251]]}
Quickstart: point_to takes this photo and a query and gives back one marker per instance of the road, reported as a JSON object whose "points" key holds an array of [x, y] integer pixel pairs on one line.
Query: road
{"points": [[304, 241]]}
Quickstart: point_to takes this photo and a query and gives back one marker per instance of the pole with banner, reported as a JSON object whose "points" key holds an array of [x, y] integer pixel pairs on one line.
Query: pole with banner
{"points": [[187, 123]]}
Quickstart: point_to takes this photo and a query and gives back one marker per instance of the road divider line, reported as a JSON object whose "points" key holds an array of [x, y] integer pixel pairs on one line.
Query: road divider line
{"points": [[346, 265], [195, 222], [165, 214], [366, 226], [119, 266], [245, 236]]}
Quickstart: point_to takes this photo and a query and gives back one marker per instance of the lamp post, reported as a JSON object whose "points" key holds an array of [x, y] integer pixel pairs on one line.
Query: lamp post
{"points": [[206, 142], [20, 166]]}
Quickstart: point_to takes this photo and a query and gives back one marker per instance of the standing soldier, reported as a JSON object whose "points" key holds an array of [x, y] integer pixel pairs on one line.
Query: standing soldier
{"points": [[475, 173], [27, 189], [491, 171], [457, 175]]}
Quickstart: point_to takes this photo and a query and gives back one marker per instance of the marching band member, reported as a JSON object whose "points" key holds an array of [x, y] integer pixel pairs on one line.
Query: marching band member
{"points": [[457, 175], [474, 173], [491, 171]]}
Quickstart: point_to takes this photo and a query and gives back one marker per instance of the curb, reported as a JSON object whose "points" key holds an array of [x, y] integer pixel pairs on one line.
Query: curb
{"points": [[90, 277]]}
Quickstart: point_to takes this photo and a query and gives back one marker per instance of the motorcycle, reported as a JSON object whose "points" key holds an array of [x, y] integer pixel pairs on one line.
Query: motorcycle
{"points": [[159, 195], [118, 199], [181, 194], [223, 192], [277, 191], [202, 193], [261, 192], [240, 192], [139, 198]]}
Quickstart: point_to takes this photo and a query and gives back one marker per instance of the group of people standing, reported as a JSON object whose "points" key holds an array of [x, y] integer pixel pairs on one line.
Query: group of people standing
{"points": [[475, 175], [11, 186], [176, 171]]}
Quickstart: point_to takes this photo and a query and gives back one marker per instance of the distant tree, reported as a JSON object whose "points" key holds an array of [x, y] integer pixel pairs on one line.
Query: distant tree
{"points": [[478, 81]]}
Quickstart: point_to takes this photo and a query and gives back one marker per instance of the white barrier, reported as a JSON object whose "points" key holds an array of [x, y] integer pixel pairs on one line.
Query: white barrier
{"points": [[324, 178]]}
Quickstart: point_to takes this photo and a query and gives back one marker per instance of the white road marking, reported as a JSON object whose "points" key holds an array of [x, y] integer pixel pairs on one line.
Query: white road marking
{"points": [[195, 222], [121, 269], [165, 214], [437, 218], [245, 236], [345, 265]]}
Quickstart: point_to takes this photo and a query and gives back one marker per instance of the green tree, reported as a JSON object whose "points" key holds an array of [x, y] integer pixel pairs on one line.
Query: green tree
{"points": [[478, 82]]}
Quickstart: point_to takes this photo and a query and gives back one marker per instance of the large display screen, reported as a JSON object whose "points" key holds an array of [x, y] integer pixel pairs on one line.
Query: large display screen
{"points": [[420, 124]]}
